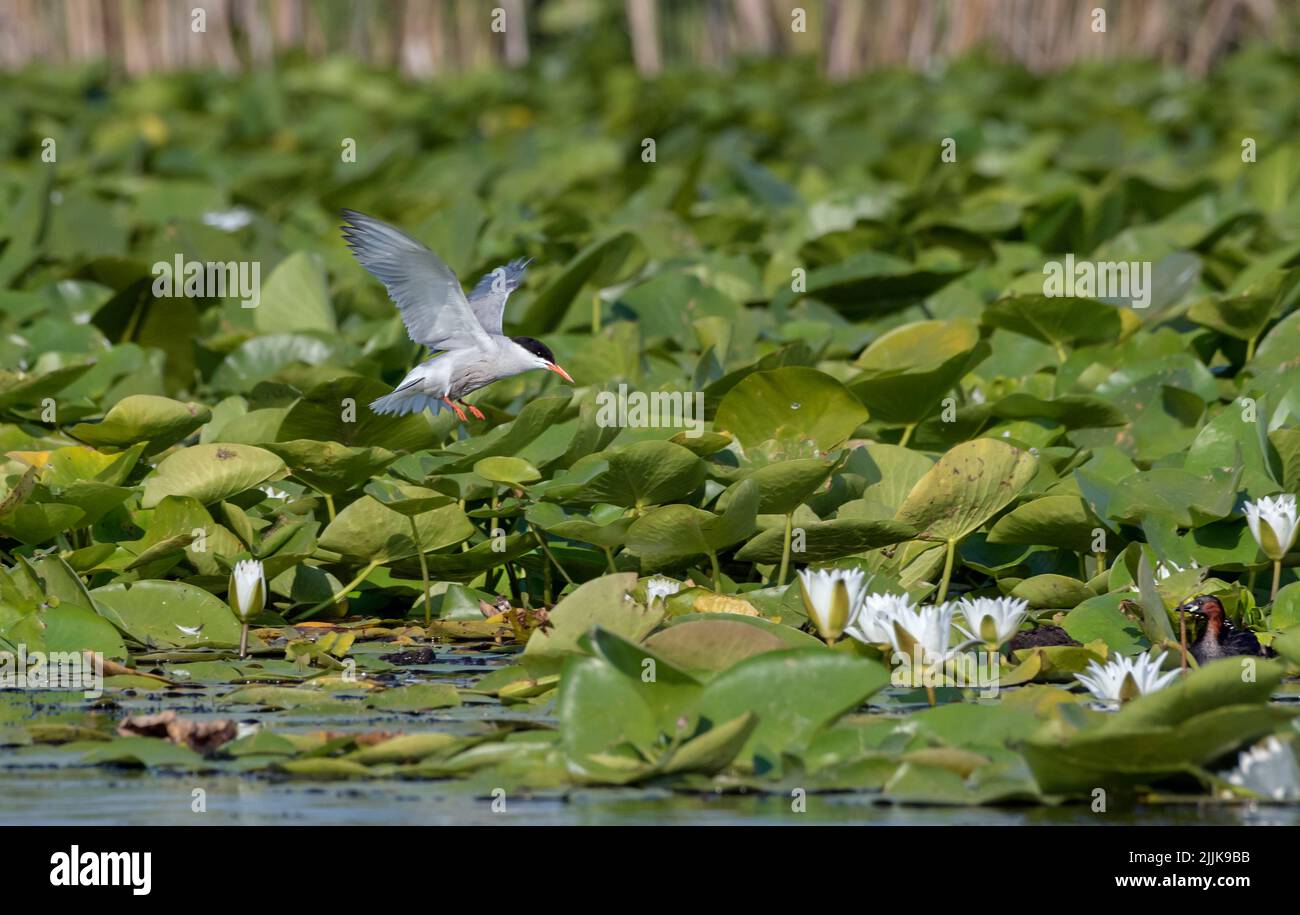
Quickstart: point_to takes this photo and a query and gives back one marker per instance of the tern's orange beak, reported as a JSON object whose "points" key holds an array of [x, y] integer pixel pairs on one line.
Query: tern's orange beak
{"points": [[552, 367]]}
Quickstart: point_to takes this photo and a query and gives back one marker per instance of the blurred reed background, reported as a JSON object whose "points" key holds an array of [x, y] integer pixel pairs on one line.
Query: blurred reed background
{"points": [[428, 38]]}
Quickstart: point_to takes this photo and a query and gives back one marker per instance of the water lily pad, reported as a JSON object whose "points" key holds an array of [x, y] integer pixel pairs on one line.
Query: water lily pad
{"points": [[29, 389], [605, 526], [907, 371], [146, 752], [827, 540], [1052, 591], [1187, 499], [339, 411], [286, 697], [712, 644], [674, 533], [785, 485], [969, 485], [791, 405], [404, 498], [1064, 521], [368, 531], [669, 692], [329, 467], [1060, 320], [794, 693], [157, 421], [640, 474], [295, 297], [713, 750], [415, 698], [600, 602], [151, 612], [69, 628], [509, 471], [211, 473], [408, 748], [598, 709], [1116, 756], [1101, 617]]}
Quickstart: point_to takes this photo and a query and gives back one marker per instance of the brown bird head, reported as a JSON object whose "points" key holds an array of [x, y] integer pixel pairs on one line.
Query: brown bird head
{"points": [[1207, 606]]}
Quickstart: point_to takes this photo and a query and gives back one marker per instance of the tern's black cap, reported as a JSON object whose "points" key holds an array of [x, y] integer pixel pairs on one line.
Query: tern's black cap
{"points": [[536, 347]]}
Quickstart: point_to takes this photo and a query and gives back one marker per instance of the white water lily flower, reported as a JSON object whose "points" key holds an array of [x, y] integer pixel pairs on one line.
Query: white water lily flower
{"points": [[924, 634], [874, 620], [1270, 770], [1272, 521], [832, 597], [1122, 679], [993, 620], [273, 493], [660, 588], [247, 594]]}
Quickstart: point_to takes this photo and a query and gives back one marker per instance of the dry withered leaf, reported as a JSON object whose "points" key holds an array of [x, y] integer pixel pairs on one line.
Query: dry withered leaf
{"points": [[724, 603], [462, 629], [201, 736]]}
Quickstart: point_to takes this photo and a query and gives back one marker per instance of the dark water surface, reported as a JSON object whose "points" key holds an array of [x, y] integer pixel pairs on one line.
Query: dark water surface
{"points": [[89, 796], [47, 785]]}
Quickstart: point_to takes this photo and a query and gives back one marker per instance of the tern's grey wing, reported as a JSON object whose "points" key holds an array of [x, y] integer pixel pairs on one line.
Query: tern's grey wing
{"points": [[488, 297], [425, 289]]}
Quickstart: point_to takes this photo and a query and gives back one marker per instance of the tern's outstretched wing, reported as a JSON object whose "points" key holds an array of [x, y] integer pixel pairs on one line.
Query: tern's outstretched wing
{"points": [[425, 289], [488, 297]]}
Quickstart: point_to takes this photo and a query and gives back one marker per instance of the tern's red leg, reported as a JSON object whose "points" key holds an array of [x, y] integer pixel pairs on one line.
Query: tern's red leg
{"points": [[459, 411], [474, 411]]}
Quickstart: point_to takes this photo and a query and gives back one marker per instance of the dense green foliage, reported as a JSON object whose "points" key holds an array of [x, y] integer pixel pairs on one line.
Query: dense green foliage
{"points": [[852, 309]]}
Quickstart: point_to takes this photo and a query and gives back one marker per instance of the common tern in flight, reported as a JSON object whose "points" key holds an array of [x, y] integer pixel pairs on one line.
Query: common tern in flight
{"points": [[470, 351]]}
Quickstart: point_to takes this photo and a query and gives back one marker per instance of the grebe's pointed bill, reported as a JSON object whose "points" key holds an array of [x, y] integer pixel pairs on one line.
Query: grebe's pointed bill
{"points": [[553, 367]]}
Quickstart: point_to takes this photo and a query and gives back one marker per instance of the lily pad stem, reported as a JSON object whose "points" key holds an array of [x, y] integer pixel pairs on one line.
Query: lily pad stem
{"points": [[947, 572], [785, 550], [1182, 639], [424, 568], [329, 506], [717, 573], [1277, 578], [343, 591], [243, 641], [541, 541], [907, 435]]}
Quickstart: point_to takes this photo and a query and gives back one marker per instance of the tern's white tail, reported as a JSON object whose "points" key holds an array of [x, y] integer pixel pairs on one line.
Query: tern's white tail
{"points": [[399, 403]]}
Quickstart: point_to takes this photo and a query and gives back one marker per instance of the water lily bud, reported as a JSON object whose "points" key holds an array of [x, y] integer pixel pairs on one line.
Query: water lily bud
{"points": [[247, 594], [1272, 522], [831, 597]]}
